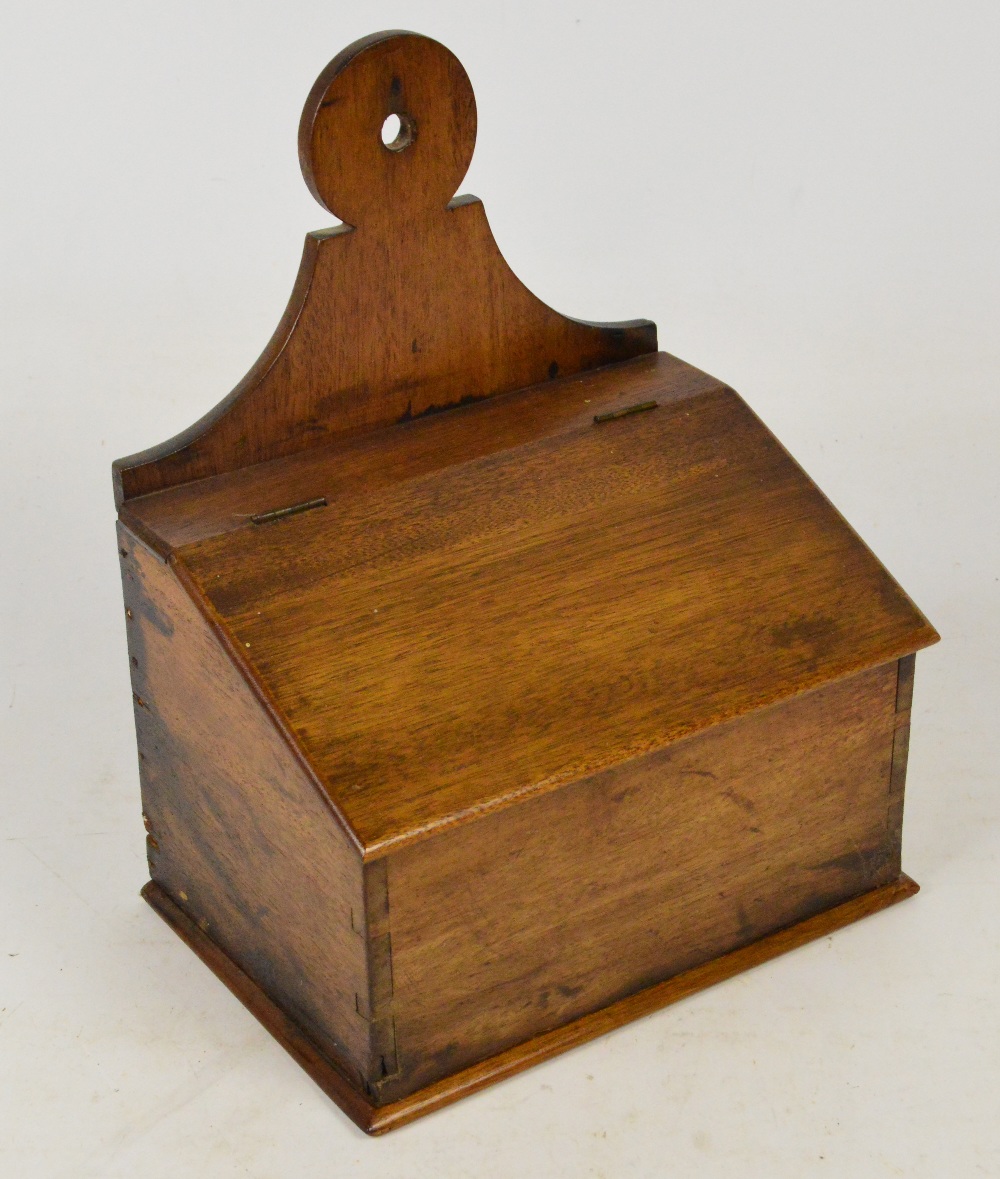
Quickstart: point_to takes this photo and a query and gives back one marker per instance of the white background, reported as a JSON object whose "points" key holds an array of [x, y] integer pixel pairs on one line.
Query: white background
{"points": [[804, 196]]}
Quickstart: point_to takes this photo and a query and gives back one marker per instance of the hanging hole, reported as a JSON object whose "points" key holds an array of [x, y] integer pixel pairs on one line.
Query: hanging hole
{"points": [[398, 132]]}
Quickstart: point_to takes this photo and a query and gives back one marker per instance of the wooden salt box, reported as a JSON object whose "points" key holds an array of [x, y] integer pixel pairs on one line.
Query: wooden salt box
{"points": [[498, 679]]}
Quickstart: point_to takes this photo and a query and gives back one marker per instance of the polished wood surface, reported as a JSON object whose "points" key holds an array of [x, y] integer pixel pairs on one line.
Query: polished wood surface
{"points": [[500, 627], [237, 829], [408, 308], [354, 467], [497, 678], [375, 1119], [637, 874], [324, 1068]]}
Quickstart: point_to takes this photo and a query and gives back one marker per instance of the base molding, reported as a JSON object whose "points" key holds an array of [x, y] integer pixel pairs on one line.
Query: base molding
{"points": [[380, 1119]]}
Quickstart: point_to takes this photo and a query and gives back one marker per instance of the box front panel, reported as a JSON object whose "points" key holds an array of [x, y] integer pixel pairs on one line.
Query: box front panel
{"points": [[514, 924]]}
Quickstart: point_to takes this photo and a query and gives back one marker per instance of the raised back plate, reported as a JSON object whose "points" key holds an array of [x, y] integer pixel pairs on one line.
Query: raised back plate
{"points": [[406, 308]]}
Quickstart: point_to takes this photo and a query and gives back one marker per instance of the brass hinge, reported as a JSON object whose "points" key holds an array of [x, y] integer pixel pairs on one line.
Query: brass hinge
{"points": [[293, 510], [612, 414]]}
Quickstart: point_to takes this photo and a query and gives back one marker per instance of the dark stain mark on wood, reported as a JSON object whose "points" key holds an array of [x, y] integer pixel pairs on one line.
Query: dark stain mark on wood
{"points": [[740, 800], [819, 634], [868, 860], [410, 416]]}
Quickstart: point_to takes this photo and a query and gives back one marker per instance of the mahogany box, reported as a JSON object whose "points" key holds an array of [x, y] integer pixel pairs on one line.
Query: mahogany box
{"points": [[497, 678]]}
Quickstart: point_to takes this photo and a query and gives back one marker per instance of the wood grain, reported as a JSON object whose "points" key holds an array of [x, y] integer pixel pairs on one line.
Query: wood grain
{"points": [[410, 309], [239, 836], [323, 1069], [344, 160], [509, 624], [534, 916], [380, 1120], [351, 468], [477, 711]]}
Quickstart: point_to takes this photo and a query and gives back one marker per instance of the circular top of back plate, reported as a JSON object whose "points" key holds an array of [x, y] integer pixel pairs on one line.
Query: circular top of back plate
{"points": [[395, 86]]}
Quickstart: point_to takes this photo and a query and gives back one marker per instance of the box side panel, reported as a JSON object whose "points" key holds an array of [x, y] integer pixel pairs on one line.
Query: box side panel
{"points": [[239, 838], [508, 927]]}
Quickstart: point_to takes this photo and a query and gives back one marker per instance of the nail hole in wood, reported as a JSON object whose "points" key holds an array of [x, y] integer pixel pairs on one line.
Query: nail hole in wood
{"points": [[398, 132]]}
